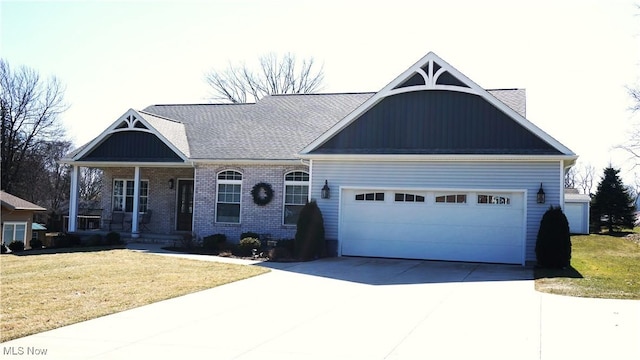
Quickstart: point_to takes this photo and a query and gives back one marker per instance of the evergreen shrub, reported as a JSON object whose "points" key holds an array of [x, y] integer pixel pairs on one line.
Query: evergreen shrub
{"points": [[553, 244], [309, 240]]}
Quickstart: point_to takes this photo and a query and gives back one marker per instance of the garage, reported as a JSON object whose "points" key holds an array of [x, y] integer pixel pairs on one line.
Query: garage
{"points": [[455, 225], [576, 208]]}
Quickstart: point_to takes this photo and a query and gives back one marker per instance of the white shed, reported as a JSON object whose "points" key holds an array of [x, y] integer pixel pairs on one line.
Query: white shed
{"points": [[576, 208]]}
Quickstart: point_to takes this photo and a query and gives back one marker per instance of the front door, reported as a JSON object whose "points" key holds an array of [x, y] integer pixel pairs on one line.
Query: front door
{"points": [[185, 205]]}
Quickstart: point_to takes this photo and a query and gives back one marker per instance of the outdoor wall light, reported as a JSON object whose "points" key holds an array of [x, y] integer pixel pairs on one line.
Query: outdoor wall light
{"points": [[171, 183], [541, 196], [326, 192]]}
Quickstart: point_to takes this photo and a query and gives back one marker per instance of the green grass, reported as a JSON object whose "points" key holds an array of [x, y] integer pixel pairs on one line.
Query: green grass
{"points": [[602, 266], [44, 291]]}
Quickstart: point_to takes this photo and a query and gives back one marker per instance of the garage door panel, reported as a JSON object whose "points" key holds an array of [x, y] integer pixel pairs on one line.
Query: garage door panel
{"points": [[462, 232]]}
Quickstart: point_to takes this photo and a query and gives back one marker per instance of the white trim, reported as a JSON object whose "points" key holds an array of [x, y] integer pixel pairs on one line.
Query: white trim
{"points": [[561, 185], [227, 162], [474, 88], [231, 182], [293, 183], [435, 157], [73, 200], [136, 202], [115, 128]]}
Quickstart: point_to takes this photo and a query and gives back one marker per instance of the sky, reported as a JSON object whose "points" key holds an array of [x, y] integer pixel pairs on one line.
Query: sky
{"points": [[575, 58]]}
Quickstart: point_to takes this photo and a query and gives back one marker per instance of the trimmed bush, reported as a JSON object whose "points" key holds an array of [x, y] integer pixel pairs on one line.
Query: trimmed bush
{"points": [[279, 253], [246, 246], [35, 243], [553, 245], [113, 238], [309, 241], [94, 240], [4, 249], [212, 242], [249, 234], [74, 240], [16, 246]]}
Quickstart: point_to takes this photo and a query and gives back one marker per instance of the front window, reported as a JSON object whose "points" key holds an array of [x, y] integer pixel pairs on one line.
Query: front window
{"points": [[123, 195], [228, 198], [296, 194], [14, 231]]}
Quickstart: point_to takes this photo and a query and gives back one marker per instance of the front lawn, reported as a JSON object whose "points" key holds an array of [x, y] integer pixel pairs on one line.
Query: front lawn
{"points": [[602, 266], [46, 291]]}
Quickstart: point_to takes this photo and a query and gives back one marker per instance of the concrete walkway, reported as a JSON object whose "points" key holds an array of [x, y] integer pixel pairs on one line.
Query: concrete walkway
{"points": [[357, 308]]}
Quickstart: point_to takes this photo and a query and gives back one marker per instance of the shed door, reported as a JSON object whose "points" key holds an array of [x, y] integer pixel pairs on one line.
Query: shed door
{"points": [[453, 225]]}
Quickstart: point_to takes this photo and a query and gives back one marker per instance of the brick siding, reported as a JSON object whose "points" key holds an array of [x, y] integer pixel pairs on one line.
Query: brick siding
{"points": [[267, 219]]}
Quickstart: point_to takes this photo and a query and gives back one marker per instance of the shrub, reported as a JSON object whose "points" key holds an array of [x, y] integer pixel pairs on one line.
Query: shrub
{"points": [[212, 242], [61, 241], [113, 238], [16, 246], [246, 245], [35, 243], [94, 240], [187, 241], [74, 240], [249, 234], [288, 244], [279, 253], [309, 241], [4, 249], [553, 245]]}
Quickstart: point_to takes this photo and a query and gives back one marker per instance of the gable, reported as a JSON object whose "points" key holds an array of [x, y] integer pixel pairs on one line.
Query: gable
{"points": [[432, 108], [435, 122], [136, 137], [132, 146]]}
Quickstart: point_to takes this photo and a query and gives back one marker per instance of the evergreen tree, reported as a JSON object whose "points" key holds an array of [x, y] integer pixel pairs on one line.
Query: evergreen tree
{"points": [[612, 204]]}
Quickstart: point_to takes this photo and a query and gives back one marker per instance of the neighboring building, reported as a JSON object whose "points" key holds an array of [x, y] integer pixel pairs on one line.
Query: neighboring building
{"points": [[17, 219], [576, 208], [430, 167]]}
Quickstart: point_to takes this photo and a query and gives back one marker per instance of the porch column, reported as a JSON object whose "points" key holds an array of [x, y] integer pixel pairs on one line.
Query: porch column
{"points": [[73, 199], [136, 203]]}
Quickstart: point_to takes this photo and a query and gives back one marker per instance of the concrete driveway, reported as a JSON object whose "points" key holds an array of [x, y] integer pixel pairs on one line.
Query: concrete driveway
{"points": [[358, 308]]}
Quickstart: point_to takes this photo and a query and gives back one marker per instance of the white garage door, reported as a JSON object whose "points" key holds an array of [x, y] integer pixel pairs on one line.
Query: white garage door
{"points": [[575, 215], [479, 226]]}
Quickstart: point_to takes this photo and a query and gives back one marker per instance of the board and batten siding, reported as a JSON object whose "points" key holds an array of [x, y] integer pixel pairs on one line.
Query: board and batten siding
{"points": [[440, 175]]}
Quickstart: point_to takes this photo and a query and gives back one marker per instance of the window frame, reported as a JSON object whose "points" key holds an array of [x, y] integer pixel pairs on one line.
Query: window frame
{"points": [[376, 196], [447, 196], [293, 183], [123, 202], [494, 196], [406, 198], [13, 235], [232, 181]]}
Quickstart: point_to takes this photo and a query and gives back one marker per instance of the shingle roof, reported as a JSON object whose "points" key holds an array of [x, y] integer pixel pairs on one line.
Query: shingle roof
{"points": [[15, 203], [275, 128]]}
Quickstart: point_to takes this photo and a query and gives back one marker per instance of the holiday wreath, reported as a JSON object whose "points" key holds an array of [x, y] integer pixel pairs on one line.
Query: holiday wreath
{"points": [[262, 193]]}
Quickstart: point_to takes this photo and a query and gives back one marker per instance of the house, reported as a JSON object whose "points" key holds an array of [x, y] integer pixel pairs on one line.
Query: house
{"points": [[576, 208], [432, 166], [17, 219]]}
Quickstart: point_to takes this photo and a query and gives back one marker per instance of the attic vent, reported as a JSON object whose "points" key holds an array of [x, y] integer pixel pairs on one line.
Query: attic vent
{"points": [[416, 79], [447, 79]]}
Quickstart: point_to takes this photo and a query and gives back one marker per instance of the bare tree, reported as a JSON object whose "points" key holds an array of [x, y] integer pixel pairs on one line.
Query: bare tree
{"points": [[29, 108], [585, 174], [90, 184], [275, 75], [570, 178]]}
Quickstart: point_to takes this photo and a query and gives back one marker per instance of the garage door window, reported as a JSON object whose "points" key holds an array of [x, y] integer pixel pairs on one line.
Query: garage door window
{"points": [[378, 196], [493, 199], [452, 199], [403, 197]]}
